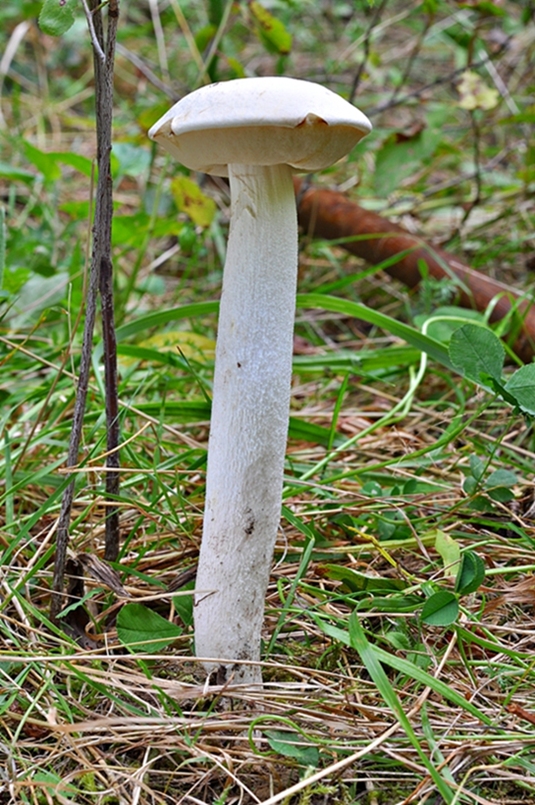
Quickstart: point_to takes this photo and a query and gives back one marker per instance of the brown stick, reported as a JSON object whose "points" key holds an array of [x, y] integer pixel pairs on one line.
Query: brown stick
{"points": [[329, 214], [102, 47]]}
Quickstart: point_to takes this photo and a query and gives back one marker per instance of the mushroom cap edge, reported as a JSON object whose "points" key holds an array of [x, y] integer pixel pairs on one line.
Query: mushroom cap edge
{"points": [[260, 121]]}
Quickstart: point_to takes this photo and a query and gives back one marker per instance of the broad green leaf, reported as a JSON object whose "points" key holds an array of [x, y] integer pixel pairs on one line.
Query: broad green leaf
{"points": [[395, 162], [76, 161], [184, 604], [45, 163], [38, 294], [190, 199], [398, 640], [449, 550], [133, 160], [499, 485], [271, 31], [57, 16], [471, 573], [501, 477], [477, 468], [216, 9], [77, 210], [402, 156], [237, 67], [521, 385], [54, 785], [469, 485], [441, 609], [476, 351], [290, 744], [498, 388], [141, 629], [445, 320]]}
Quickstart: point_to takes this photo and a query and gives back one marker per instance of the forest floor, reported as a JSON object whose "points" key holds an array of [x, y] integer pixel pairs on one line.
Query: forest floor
{"points": [[400, 624]]}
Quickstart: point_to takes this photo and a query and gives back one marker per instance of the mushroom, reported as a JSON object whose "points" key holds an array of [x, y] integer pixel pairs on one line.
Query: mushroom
{"points": [[256, 131]]}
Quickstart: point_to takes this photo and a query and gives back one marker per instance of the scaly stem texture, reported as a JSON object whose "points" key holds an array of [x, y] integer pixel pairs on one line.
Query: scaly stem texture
{"points": [[249, 425]]}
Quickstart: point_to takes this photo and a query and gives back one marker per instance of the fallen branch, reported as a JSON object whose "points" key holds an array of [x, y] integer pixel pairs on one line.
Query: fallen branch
{"points": [[329, 214]]}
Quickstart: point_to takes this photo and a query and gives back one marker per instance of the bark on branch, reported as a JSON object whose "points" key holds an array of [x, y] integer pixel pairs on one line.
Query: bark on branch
{"points": [[330, 215]]}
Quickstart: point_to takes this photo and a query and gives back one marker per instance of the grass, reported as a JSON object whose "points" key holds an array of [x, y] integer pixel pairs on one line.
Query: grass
{"points": [[398, 668]]}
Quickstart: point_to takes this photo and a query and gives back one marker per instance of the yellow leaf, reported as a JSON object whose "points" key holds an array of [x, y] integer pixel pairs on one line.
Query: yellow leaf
{"points": [[475, 94], [192, 345], [190, 199]]}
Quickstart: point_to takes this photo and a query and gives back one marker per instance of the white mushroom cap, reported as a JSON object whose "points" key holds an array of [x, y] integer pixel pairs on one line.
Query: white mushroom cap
{"points": [[260, 121]]}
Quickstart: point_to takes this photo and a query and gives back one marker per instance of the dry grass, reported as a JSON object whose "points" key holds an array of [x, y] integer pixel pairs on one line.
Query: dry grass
{"points": [[145, 729], [82, 719]]}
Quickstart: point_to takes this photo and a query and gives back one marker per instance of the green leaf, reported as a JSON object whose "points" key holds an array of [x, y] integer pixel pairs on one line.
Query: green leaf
{"points": [[449, 550], [440, 609], [476, 351], [358, 582], [469, 485], [424, 343], [498, 388], [271, 31], [501, 477], [54, 785], [393, 603], [522, 387], [204, 36], [133, 160], [45, 163], [184, 604], [290, 744], [501, 494], [401, 156], [370, 659], [415, 672], [477, 467], [499, 485], [471, 573], [445, 320], [76, 161], [15, 174], [38, 293], [141, 629], [485, 7], [57, 16]]}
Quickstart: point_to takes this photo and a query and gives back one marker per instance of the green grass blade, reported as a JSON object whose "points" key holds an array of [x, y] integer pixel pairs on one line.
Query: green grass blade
{"points": [[359, 641], [410, 670], [424, 343]]}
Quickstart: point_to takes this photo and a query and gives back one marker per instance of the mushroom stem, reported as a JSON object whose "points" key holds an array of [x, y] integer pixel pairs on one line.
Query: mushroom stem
{"points": [[251, 398]]}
